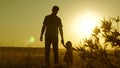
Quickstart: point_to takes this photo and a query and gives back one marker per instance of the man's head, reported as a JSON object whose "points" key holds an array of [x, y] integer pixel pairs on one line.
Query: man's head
{"points": [[55, 10]]}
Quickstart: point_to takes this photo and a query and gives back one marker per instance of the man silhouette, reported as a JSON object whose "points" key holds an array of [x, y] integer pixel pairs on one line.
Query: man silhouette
{"points": [[51, 25]]}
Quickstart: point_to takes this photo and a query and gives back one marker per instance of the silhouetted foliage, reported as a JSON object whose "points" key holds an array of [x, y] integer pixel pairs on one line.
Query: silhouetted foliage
{"points": [[102, 49]]}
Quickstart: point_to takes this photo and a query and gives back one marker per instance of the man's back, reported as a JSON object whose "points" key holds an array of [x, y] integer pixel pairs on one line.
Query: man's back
{"points": [[52, 24]]}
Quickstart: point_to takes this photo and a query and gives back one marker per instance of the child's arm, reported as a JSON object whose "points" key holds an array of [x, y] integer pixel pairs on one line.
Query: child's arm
{"points": [[63, 45], [74, 49]]}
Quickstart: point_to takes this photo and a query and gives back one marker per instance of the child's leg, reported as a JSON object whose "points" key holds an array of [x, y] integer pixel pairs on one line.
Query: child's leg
{"points": [[70, 65], [67, 64]]}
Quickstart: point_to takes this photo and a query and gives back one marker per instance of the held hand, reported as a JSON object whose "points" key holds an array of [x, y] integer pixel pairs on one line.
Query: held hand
{"points": [[41, 38], [62, 41]]}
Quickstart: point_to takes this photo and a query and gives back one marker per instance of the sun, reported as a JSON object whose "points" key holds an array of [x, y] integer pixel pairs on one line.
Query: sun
{"points": [[84, 24]]}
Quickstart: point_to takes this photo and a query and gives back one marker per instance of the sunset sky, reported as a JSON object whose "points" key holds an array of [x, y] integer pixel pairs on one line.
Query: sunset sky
{"points": [[21, 20]]}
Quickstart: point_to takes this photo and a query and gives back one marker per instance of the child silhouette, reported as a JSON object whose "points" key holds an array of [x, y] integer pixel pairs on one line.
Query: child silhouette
{"points": [[68, 57]]}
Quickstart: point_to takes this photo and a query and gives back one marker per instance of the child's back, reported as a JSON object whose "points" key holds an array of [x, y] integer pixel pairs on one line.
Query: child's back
{"points": [[68, 58]]}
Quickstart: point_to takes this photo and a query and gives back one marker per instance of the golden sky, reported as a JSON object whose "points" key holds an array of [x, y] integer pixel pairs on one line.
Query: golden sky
{"points": [[21, 20]]}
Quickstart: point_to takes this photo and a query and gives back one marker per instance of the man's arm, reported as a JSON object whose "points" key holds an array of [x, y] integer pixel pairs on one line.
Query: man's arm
{"points": [[61, 34], [42, 32]]}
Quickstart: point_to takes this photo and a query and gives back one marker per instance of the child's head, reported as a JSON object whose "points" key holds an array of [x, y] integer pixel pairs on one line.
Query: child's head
{"points": [[68, 44]]}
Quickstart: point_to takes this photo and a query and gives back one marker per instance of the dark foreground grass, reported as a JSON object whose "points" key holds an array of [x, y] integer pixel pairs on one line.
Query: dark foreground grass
{"points": [[35, 59], [30, 58]]}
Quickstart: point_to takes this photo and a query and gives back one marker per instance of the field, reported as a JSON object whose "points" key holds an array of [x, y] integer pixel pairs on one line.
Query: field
{"points": [[15, 57]]}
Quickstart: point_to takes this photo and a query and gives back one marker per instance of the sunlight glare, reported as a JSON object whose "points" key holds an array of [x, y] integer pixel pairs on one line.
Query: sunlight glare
{"points": [[32, 39], [84, 24]]}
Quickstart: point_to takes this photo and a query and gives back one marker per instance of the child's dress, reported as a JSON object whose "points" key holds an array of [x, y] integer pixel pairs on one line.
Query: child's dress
{"points": [[69, 55]]}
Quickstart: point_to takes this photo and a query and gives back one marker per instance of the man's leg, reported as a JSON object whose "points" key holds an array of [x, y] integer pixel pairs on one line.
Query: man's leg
{"points": [[55, 50], [47, 51]]}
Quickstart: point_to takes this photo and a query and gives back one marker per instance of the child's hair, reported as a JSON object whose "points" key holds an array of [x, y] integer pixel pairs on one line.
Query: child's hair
{"points": [[68, 44]]}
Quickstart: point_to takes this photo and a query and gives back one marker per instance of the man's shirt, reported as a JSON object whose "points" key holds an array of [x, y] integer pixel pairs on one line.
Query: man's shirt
{"points": [[52, 23]]}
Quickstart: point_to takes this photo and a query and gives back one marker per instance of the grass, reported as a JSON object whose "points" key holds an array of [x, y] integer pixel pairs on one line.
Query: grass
{"points": [[34, 58], [13, 57]]}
